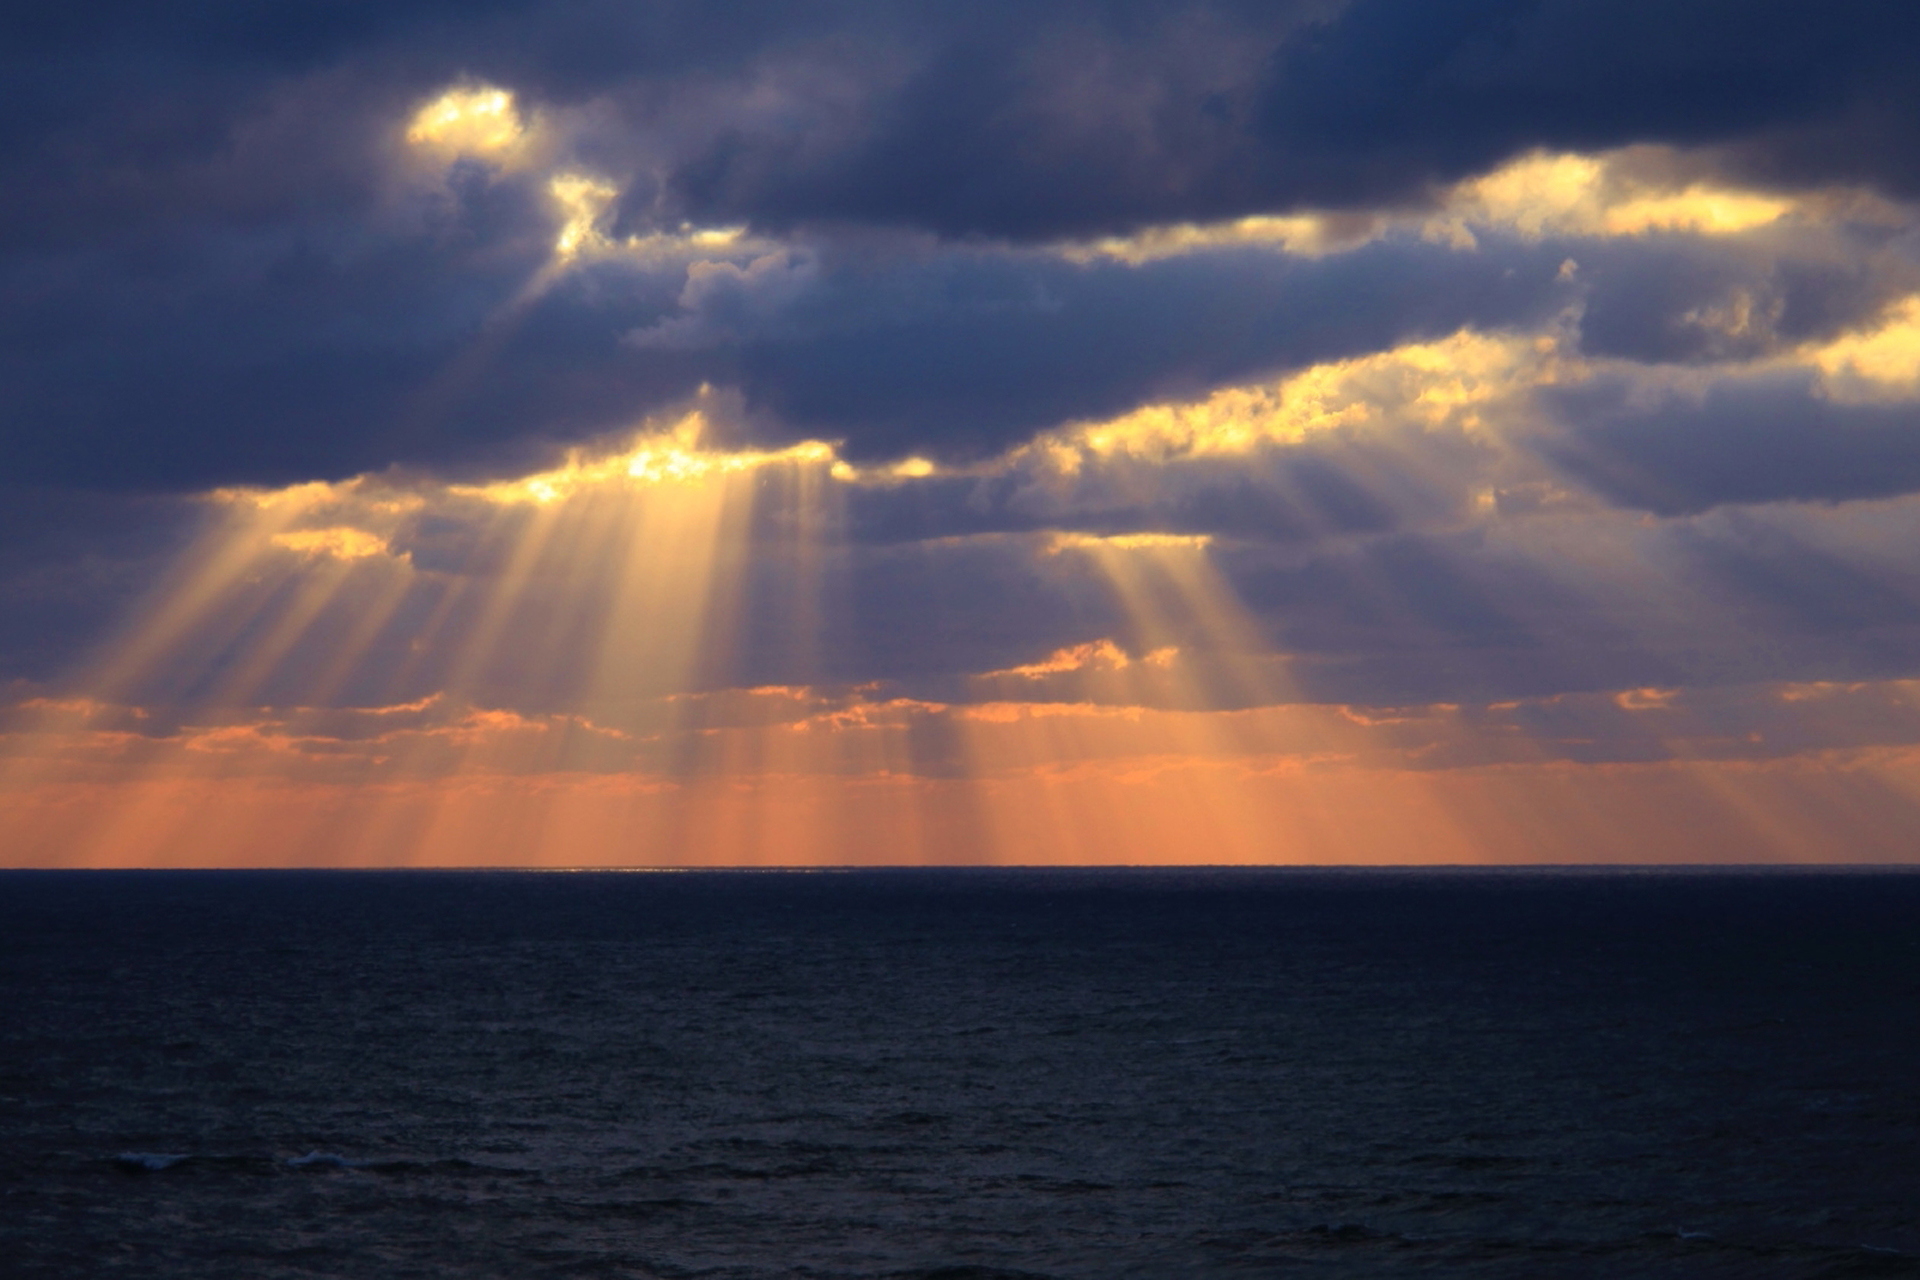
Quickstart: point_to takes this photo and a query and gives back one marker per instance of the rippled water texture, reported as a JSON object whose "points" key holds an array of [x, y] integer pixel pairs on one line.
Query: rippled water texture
{"points": [[960, 1074]]}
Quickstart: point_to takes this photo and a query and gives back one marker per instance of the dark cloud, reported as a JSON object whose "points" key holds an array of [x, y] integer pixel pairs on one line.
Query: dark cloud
{"points": [[73, 563], [1334, 484], [1695, 300], [999, 119], [281, 362], [1790, 587], [1412, 618], [1387, 95], [1480, 615], [1104, 118], [1759, 438], [214, 270], [963, 356]]}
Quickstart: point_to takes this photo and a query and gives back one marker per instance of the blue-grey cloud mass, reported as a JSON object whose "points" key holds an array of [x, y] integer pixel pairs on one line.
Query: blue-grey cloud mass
{"points": [[963, 233], [208, 275]]}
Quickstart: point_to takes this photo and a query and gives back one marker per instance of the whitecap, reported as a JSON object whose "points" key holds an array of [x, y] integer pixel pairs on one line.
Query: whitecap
{"points": [[320, 1160], [148, 1161]]}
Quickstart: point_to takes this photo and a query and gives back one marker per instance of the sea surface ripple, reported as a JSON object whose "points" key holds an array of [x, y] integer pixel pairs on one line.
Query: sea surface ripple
{"points": [[960, 1074]]}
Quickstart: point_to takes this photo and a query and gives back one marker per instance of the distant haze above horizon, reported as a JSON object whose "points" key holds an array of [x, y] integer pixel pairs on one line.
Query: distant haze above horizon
{"points": [[657, 433]]}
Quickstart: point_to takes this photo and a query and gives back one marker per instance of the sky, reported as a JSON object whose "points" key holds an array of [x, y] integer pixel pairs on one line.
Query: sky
{"points": [[579, 433]]}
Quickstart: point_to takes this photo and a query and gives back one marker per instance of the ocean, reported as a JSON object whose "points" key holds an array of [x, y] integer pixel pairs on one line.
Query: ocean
{"points": [[960, 1074]]}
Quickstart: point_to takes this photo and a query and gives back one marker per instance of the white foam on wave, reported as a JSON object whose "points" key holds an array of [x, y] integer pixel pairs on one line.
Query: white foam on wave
{"points": [[320, 1160], [152, 1161]]}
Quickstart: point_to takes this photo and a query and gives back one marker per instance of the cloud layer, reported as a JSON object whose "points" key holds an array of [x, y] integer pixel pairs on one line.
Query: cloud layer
{"points": [[934, 399], [227, 259]]}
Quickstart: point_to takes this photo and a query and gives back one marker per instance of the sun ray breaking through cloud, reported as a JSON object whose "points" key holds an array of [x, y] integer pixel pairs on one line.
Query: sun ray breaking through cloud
{"points": [[1544, 498], [567, 690]]}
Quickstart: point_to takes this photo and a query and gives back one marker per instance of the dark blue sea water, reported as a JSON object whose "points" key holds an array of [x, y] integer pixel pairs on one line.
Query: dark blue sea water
{"points": [[960, 1074]]}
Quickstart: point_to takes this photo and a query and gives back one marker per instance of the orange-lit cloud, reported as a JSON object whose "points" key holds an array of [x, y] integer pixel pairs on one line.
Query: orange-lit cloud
{"points": [[1632, 192], [794, 776], [479, 120], [1879, 362]]}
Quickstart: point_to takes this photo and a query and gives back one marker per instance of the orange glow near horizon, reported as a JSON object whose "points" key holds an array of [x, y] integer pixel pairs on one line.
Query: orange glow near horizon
{"points": [[542, 671], [1101, 787]]}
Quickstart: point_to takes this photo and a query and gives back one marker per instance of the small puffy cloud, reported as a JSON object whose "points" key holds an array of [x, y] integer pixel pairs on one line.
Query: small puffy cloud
{"points": [[724, 302], [342, 542], [468, 121]]}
